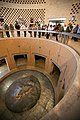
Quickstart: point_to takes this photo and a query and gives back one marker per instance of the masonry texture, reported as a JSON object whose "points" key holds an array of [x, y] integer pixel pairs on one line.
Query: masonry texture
{"points": [[33, 109]]}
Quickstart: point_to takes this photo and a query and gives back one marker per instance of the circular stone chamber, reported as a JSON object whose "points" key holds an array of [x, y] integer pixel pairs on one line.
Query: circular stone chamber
{"points": [[23, 94], [26, 95]]}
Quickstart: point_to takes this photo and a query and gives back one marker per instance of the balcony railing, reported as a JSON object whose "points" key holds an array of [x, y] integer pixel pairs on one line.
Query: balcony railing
{"points": [[62, 37]]}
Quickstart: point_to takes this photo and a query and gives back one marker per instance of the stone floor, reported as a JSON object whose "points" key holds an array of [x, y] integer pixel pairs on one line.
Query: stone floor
{"points": [[45, 103]]}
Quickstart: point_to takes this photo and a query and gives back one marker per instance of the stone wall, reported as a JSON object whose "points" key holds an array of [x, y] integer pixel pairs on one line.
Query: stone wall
{"points": [[53, 9], [64, 57]]}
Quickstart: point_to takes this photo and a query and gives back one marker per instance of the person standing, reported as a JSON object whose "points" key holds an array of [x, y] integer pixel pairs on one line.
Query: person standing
{"points": [[56, 29], [12, 30], [78, 31], [6, 27], [39, 33], [1, 28], [66, 37], [23, 27], [35, 28], [43, 28], [75, 31], [17, 26]]}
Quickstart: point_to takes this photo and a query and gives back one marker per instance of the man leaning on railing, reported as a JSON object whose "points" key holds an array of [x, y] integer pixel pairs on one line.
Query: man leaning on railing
{"points": [[1, 28]]}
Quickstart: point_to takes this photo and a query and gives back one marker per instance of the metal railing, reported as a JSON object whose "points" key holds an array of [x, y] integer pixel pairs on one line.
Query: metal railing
{"points": [[43, 31]]}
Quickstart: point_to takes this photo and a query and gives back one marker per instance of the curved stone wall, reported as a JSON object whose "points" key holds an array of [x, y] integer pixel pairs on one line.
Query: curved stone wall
{"points": [[66, 60]]}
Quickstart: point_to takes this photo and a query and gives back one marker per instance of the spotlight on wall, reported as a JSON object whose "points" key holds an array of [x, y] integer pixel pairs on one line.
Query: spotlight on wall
{"points": [[73, 18], [39, 19]]}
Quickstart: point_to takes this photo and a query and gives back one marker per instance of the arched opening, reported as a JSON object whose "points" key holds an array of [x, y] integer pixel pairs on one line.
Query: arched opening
{"points": [[20, 59], [40, 61], [4, 69]]}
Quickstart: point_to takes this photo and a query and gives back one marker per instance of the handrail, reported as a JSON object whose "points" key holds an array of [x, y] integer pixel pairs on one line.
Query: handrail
{"points": [[62, 33]]}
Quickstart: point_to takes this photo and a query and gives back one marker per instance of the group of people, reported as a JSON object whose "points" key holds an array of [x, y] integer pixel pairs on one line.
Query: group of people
{"points": [[11, 28], [33, 26]]}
